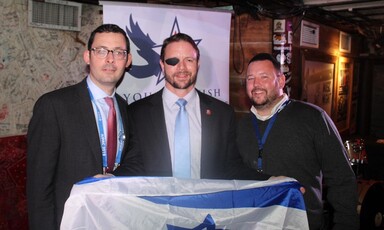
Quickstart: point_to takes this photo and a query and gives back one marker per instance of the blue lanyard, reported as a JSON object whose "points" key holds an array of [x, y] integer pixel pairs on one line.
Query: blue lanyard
{"points": [[103, 141], [261, 139]]}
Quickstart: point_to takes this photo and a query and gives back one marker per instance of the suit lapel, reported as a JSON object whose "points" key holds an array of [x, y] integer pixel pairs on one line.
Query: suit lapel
{"points": [[157, 114], [123, 113], [159, 128], [88, 120], [207, 127]]}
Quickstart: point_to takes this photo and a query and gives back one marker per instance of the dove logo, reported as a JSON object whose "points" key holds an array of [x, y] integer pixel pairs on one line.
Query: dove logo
{"points": [[145, 46]]}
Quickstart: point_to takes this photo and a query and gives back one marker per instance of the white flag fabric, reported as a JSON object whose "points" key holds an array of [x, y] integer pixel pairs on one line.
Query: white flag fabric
{"points": [[147, 25], [176, 204]]}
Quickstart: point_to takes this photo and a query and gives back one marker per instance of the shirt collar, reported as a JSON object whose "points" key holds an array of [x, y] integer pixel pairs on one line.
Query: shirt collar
{"points": [[273, 111], [170, 98], [96, 91]]}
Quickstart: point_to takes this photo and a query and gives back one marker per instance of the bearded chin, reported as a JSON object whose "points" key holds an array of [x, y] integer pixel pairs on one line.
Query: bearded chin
{"points": [[175, 85], [266, 103], [260, 105]]}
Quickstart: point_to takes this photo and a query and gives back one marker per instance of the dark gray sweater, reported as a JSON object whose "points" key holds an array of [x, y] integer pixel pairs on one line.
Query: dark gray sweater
{"points": [[304, 144]]}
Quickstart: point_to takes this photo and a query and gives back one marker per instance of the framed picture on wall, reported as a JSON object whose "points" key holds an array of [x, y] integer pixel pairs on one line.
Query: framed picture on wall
{"points": [[309, 36], [318, 84], [344, 94], [345, 42], [279, 25]]}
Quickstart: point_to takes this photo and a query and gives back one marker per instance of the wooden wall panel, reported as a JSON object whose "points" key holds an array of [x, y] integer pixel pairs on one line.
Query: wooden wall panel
{"points": [[249, 37], [252, 30]]}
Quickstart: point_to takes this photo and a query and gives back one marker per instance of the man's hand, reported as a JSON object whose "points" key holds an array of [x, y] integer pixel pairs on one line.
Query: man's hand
{"points": [[103, 175], [302, 189]]}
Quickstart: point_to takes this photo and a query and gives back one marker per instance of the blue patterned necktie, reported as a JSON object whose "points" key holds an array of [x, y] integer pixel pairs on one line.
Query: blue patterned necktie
{"points": [[182, 153]]}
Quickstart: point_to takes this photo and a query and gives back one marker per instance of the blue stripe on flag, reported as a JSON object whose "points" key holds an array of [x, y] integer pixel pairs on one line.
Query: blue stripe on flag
{"points": [[91, 180], [284, 194]]}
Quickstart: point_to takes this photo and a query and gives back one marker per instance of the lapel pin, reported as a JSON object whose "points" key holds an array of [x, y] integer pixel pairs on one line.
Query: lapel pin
{"points": [[208, 112]]}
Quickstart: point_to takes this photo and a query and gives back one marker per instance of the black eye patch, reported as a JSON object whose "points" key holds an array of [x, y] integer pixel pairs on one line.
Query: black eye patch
{"points": [[172, 61]]}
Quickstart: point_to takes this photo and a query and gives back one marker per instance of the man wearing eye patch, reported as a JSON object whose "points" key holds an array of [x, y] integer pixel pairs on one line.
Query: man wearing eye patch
{"points": [[209, 151]]}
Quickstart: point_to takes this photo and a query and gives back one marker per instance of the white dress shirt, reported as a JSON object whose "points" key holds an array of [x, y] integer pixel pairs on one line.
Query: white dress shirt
{"points": [[101, 104], [193, 109]]}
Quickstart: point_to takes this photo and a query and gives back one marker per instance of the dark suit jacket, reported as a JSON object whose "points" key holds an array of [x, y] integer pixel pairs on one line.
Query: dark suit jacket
{"points": [[219, 156], [64, 148]]}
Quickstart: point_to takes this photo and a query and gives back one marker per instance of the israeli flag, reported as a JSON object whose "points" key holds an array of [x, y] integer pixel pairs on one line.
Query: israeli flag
{"points": [[176, 204]]}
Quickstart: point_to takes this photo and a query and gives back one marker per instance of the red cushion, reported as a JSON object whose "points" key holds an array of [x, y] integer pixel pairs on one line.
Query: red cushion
{"points": [[13, 203]]}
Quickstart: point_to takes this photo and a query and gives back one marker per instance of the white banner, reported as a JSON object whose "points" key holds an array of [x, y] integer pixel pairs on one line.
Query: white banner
{"points": [[176, 204], [148, 25]]}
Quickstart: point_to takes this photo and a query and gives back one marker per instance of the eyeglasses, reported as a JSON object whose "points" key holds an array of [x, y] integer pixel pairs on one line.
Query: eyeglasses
{"points": [[103, 53]]}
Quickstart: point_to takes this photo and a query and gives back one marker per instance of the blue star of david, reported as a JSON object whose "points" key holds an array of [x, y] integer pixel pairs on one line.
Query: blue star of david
{"points": [[146, 50], [208, 224]]}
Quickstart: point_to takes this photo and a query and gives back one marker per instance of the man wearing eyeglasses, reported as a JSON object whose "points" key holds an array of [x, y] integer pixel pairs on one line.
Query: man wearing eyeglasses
{"points": [[80, 131], [205, 145]]}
